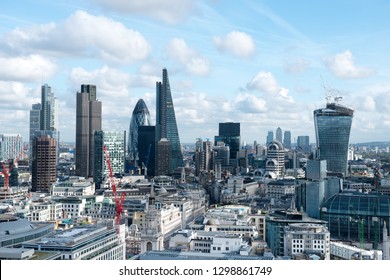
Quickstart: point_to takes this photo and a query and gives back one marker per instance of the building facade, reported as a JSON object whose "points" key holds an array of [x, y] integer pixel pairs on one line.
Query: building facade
{"points": [[49, 109], [164, 157], [332, 128], [147, 149], [88, 120], [279, 135], [139, 117], [303, 143], [275, 159], [229, 133], [287, 139], [35, 121], [307, 238], [89, 242], [270, 137], [166, 126], [44, 163], [115, 143], [10, 146]]}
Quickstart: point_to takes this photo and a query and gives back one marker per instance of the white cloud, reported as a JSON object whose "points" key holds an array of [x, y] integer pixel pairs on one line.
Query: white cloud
{"points": [[26, 68], [266, 82], [248, 103], [343, 65], [108, 81], [237, 43], [82, 34], [169, 11], [296, 66], [178, 51], [111, 81], [15, 95]]}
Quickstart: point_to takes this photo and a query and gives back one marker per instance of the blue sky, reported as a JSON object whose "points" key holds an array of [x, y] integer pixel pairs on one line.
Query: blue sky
{"points": [[265, 64]]}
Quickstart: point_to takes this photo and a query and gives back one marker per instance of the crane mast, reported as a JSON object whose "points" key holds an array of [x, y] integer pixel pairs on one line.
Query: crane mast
{"points": [[118, 200]]}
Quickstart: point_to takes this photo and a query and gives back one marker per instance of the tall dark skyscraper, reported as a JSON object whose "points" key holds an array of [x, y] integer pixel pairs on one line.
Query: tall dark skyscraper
{"points": [[229, 133], [140, 117], [166, 126], [43, 163], [332, 128], [88, 120]]}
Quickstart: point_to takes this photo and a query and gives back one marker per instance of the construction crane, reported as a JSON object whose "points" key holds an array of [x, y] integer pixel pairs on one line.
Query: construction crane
{"points": [[6, 172], [118, 200], [360, 221]]}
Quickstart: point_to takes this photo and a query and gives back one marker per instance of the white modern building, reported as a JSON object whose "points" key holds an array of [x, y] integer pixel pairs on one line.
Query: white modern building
{"points": [[307, 238], [45, 211], [280, 188], [274, 165], [10, 146], [75, 186], [208, 242]]}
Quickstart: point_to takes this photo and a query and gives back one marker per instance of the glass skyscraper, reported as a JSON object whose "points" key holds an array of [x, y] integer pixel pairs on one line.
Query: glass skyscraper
{"points": [[270, 137], [115, 143], [332, 128], [279, 135], [140, 117], [146, 148], [229, 133], [166, 126]]}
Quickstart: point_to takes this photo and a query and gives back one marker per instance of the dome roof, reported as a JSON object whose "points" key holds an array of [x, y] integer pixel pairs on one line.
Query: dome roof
{"points": [[356, 203], [275, 145], [212, 221]]}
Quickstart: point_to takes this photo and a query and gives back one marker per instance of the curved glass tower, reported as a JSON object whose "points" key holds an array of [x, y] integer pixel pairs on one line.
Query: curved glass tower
{"points": [[332, 128], [140, 117]]}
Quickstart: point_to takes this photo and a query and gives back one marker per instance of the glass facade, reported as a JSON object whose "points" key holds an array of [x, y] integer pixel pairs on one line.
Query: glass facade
{"points": [[115, 143], [140, 116], [166, 126], [345, 212], [146, 148], [229, 133], [332, 128]]}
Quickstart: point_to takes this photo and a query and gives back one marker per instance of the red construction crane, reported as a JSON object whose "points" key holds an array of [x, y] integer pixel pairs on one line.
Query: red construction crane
{"points": [[7, 171], [118, 200]]}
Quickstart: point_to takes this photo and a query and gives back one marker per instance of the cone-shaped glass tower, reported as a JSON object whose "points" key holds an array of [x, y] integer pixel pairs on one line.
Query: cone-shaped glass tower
{"points": [[166, 126], [140, 116]]}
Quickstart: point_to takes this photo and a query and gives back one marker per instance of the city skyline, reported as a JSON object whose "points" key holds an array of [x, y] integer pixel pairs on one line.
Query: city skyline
{"points": [[263, 65]]}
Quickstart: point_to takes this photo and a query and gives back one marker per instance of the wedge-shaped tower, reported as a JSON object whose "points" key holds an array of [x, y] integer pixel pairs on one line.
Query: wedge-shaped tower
{"points": [[166, 126]]}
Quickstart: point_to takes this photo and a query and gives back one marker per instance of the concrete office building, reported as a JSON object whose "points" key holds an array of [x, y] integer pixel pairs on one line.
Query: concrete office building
{"points": [[44, 159]]}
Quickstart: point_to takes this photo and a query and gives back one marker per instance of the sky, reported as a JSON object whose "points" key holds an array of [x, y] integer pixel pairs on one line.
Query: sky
{"points": [[264, 64]]}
